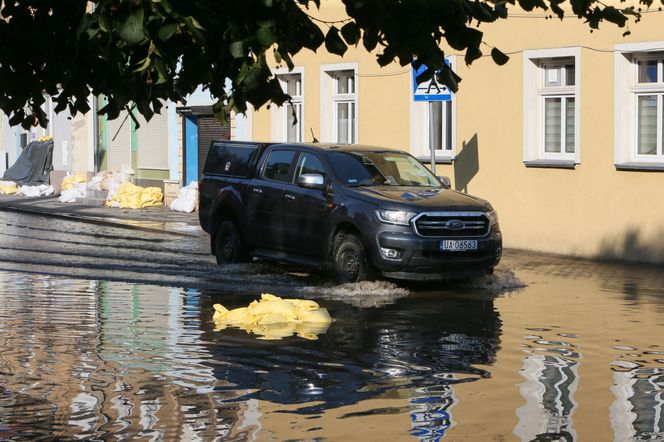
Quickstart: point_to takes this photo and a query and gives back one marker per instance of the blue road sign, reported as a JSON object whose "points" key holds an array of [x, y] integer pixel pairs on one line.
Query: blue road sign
{"points": [[430, 90]]}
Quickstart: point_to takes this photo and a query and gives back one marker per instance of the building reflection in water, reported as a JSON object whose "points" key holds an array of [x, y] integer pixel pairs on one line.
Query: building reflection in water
{"points": [[638, 410], [551, 378]]}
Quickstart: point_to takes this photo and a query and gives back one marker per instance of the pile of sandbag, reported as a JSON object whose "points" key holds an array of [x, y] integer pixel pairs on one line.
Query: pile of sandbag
{"points": [[73, 187], [8, 187], [110, 180], [130, 196], [275, 318], [35, 191], [186, 200]]}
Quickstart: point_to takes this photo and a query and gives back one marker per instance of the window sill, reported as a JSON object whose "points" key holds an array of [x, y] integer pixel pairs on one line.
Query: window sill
{"points": [[439, 160], [551, 164], [641, 166]]}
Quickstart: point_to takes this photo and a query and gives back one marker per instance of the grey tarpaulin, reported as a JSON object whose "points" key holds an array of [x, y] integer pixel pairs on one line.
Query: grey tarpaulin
{"points": [[33, 165]]}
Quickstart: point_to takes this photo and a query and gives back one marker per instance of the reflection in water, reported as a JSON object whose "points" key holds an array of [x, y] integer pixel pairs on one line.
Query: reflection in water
{"points": [[550, 382], [94, 359], [638, 411], [100, 360]]}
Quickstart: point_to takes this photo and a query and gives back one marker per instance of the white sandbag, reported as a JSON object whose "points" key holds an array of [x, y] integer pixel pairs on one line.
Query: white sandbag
{"points": [[77, 190], [186, 200], [35, 191]]}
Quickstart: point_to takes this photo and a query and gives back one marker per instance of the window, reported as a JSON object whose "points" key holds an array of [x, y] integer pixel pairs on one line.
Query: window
{"points": [[307, 164], [440, 127], [278, 165], [649, 93], [639, 108], [551, 120], [344, 106], [559, 108], [288, 119], [339, 103]]}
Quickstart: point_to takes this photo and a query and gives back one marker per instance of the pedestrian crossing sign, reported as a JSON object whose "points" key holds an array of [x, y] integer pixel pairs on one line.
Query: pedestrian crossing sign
{"points": [[430, 90]]}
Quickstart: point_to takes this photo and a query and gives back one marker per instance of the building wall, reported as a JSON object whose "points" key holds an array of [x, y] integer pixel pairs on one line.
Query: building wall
{"points": [[591, 210]]}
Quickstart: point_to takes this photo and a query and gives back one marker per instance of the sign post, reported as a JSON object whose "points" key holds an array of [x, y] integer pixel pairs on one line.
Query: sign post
{"points": [[428, 91]]}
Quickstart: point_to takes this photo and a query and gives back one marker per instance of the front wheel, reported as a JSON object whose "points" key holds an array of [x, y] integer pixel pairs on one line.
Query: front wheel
{"points": [[228, 245], [351, 263]]}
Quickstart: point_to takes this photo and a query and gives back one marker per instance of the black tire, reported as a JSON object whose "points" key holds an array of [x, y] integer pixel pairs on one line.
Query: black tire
{"points": [[350, 260], [228, 245]]}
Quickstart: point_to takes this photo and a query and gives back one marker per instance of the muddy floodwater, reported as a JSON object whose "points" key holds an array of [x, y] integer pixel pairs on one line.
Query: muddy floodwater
{"points": [[576, 353]]}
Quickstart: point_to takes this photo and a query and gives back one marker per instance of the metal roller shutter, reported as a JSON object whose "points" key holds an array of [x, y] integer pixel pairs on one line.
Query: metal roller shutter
{"points": [[119, 141], [209, 129], [152, 139]]}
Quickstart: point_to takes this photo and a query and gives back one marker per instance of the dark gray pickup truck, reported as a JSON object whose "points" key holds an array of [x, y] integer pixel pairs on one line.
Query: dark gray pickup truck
{"points": [[358, 211]]}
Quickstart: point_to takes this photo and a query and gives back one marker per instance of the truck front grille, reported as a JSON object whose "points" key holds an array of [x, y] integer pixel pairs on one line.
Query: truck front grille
{"points": [[451, 224]]}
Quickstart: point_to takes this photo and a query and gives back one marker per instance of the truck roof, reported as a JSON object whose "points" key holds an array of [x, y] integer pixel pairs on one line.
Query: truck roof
{"points": [[340, 147]]}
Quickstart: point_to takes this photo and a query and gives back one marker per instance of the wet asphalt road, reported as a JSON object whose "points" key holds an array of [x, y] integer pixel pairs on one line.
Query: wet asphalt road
{"points": [[51, 246]]}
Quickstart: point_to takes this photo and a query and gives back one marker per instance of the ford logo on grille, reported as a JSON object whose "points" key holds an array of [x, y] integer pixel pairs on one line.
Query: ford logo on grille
{"points": [[455, 224]]}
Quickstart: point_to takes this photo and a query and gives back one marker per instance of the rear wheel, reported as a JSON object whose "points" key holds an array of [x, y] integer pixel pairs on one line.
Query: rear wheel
{"points": [[228, 245], [351, 263]]}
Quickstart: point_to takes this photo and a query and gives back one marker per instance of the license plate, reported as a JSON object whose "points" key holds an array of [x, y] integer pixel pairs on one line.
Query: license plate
{"points": [[458, 245]]}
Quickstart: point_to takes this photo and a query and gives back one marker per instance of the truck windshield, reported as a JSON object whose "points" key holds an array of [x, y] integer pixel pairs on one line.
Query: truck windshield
{"points": [[380, 169]]}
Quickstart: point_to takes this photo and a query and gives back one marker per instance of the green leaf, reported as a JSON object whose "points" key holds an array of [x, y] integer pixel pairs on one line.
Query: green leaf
{"points": [[132, 30], [351, 33], [105, 23], [237, 49], [265, 35], [144, 64], [333, 42], [614, 16], [195, 23], [166, 32], [499, 57]]}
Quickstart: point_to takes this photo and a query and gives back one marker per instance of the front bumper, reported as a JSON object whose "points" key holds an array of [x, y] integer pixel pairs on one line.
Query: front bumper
{"points": [[421, 258]]}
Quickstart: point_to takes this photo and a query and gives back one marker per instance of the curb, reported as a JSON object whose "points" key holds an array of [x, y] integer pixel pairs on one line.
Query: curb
{"points": [[93, 220]]}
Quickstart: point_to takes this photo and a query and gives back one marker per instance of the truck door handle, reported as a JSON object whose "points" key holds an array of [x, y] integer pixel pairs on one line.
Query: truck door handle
{"points": [[289, 197], [257, 190]]}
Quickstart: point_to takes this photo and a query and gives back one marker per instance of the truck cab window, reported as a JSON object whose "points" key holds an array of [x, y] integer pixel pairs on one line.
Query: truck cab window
{"points": [[307, 164], [278, 165]]}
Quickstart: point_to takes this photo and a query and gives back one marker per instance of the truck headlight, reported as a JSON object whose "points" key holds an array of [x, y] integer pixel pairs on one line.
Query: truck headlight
{"points": [[400, 217], [493, 217]]}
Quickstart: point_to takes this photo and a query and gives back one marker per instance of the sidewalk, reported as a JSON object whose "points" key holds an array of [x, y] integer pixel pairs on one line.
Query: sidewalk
{"points": [[156, 219]]}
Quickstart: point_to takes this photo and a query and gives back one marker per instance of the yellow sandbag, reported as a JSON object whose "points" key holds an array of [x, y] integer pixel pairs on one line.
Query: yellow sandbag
{"points": [[320, 316], [274, 318], [8, 188], [131, 196], [69, 180], [278, 306], [303, 304]]}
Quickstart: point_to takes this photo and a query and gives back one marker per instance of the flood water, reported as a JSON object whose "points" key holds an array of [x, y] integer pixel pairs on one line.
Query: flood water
{"points": [[576, 354]]}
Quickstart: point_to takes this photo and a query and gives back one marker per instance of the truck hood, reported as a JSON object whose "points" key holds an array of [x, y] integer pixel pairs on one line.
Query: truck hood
{"points": [[418, 198]]}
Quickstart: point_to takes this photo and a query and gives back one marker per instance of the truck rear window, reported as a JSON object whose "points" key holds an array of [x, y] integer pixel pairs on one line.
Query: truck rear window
{"points": [[231, 159]]}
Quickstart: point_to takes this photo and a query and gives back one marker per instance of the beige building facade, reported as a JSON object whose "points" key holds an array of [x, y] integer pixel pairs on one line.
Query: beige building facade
{"points": [[566, 140]]}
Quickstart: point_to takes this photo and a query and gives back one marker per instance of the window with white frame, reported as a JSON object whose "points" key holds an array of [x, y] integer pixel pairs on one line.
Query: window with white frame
{"points": [[293, 87], [344, 106], [288, 119], [639, 105], [551, 97], [559, 108], [440, 127], [339, 103], [649, 95]]}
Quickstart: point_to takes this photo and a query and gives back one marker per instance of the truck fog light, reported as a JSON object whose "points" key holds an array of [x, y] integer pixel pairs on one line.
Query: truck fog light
{"points": [[390, 253], [499, 251]]}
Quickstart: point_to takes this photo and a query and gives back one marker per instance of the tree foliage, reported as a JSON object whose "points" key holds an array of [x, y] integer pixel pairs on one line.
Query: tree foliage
{"points": [[145, 51]]}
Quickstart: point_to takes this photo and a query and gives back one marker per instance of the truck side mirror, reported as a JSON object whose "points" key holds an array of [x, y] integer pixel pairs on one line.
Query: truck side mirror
{"points": [[311, 181], [445, 182]]}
